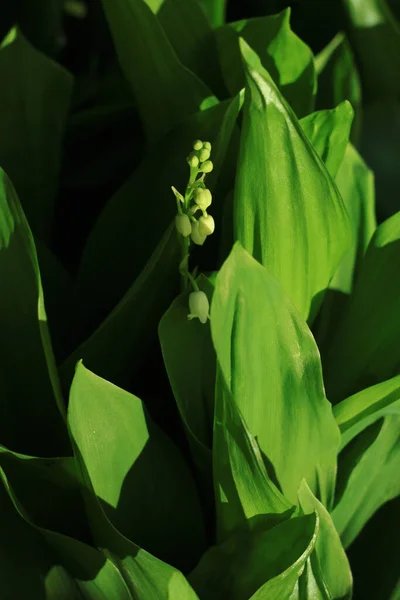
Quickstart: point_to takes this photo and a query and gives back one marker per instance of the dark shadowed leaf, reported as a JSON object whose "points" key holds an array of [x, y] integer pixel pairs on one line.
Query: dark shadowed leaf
{"points": [[28, 376], [364, 348], [34, 103], [164, 89]]}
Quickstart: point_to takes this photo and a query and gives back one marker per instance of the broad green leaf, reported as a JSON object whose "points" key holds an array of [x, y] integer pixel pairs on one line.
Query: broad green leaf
{"points": [[245, 495], [297, 197], [147, 577], [273, 41], [357, 412], [370, 460], [133, 322], [215, 10], [331, 556], [310, 584], [190, 33], [189, 359], [165, 91], [246, 561], [120, 446], [364, 348], [355, 182], [396, 592], [41, 22], [372, 26], [339, 80], [120, 244], [50, 491], [369, 467], [38, 563], [34, 103], [57, 288], [28, 376], [328, 132], [270, 361]]}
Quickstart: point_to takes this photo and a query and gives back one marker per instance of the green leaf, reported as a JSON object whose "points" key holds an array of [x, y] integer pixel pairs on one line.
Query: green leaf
{"points": [[190, 33], [50, 491], [273, 41], [34, 103], [147, 577], [370, 459], [132, 324], [372, 25], [246, 561], [364, 347], [38, 563], [164, 90], [189, 359], [42, 24], [339, 80], [28, 375], [328, 132], [331, 556], [310, 583], [355, 182], [270, 361], [119, 245], [120, 446], [215, 10], [245, 495], [299, 196]]}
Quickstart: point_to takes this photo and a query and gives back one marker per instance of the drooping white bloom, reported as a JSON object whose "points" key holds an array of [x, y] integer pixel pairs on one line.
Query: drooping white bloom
{"points": [[206, 225], [202, 197], [199, 307], [183, 225], [196, 236]]}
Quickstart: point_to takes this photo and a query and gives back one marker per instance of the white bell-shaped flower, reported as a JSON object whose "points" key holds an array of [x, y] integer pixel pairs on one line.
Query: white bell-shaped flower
{"points": [[199, 307]]}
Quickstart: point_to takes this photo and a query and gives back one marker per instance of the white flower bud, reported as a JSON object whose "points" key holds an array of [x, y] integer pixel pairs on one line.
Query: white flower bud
{"points": [[199, 307], [197, 238], [198, 145], [202, 198], [207, 167], [182, 224], [204, 154], [193, 160], [206, 225]]}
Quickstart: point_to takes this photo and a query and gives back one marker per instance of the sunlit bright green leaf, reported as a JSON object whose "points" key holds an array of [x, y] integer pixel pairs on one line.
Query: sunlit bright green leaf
{"points": [[270, 361], [288, 212], [246, 561], [328, 132], [332, 559], [274, 41], [370, 459], [121, 446], [245, 495]]}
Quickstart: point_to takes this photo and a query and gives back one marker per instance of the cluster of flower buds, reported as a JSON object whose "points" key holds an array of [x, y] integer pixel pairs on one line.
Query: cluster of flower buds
{"points": [[197, 199], [197, 196]]}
